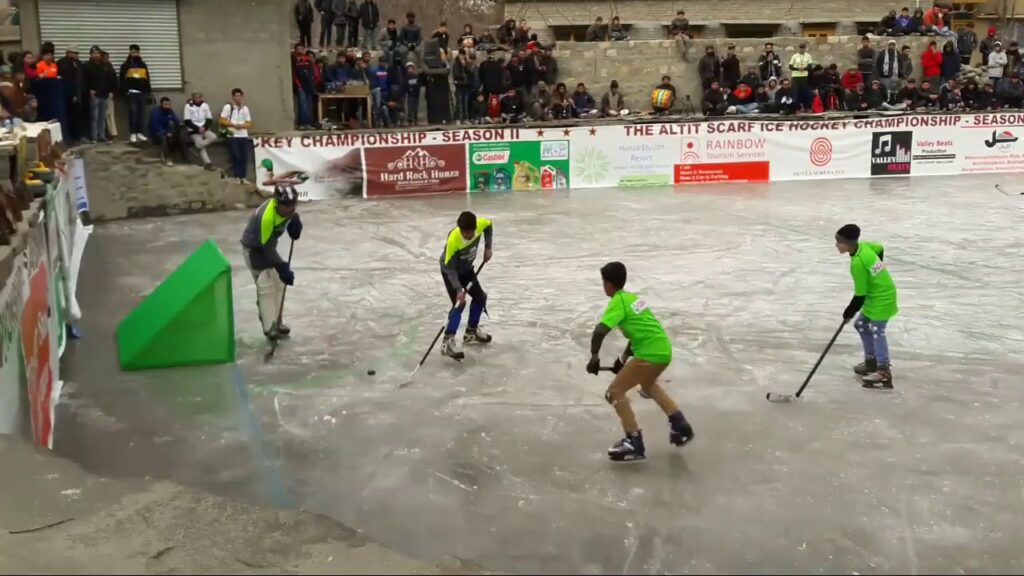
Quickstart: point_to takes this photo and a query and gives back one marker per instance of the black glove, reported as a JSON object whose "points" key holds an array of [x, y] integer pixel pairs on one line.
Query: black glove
{"points": [[881, 255], [594, 366], [853, 307], [284, 272], [617, 366], [295, 228]]}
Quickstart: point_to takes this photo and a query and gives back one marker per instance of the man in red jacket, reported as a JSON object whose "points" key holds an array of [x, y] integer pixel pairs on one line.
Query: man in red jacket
{"points": [[931, 64], [851, 78]]}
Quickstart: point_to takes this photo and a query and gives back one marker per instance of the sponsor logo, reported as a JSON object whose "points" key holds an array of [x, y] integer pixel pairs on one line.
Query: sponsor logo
{"points": [[1001, 138], [690, 151], [417, 159], [492, 157], [890, 153], [639, 306], [820, 152], [558, 150], [934, 152]]}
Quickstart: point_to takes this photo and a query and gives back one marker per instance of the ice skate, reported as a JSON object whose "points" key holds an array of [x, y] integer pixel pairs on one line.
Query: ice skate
{"points": [[450, 348], [868, 366], [880, 379], [681, 432], [629, 448], [283, 329], [476, 336]]}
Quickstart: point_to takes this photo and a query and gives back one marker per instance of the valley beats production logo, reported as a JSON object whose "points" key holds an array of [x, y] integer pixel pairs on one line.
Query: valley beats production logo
{"points": [[821, 152]]}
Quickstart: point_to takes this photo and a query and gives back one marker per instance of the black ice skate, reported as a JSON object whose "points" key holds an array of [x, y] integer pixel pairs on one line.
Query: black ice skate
{"points": [[681, 432], [880, 379], [450, 348], [868, 366], [283, 330], [629, 448], [476, 336]]}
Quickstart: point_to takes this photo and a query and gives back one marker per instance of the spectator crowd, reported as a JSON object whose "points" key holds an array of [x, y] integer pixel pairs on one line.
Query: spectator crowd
{"points": [[81, 97]]}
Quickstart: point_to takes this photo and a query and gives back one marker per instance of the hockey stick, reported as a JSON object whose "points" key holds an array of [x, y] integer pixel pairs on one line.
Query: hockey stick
{"points": [[1005, 193], [426, 354], [791, 397], [280, 311]]}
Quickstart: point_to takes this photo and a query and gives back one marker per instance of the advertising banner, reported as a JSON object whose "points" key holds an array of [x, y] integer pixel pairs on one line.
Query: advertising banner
{"points": [[524, 165], [627, 156], [991, 143], [12, 298], [409, 170], [37, 344]]}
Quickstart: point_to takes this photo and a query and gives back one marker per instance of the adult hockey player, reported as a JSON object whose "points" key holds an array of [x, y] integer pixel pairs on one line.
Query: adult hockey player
{"points": [[874, 296], [460, 277], [259, 247], [651, 353]]}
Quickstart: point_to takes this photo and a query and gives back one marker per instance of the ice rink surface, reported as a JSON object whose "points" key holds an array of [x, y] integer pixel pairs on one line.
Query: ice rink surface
{"points": [[501, 459]]}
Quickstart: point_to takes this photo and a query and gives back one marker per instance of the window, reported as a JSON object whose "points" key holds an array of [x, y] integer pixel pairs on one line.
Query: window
{"points": [[569, 33], [819, 30], [865, 28], [751, 30]]}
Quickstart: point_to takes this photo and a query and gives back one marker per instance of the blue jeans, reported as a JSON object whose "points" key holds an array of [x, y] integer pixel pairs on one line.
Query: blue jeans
{"points": [[463, 101], [98, 118], [872, 336], [239, 149], [746, 108], [304, 107], [136, 112]]}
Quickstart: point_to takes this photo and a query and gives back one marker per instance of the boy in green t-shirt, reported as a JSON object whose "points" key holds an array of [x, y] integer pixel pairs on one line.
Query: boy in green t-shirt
{"points": [[874, 295], [652, 352]]}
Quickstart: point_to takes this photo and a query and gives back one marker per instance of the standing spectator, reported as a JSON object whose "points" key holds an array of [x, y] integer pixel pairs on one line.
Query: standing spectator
{"points": [[346, 20], [714, 103], [380, 83], [369, 19], [800, 68], [507, 33], [236, 120], [906, 63], [69, 68], [612, 103], [997, 61], [752, 78], [163, 129], [583, 102], [988, 45], [410, 36], [463, 97], [304, 18], [468, 40], [305, 77], [48, 89], [966, 43], [326, 10], [597, 32], [111, 113], [769, 63], [616, 31], [199, 120], [709, 68], [100, 81], [680, 26], [28, 65], [531, 71], [950, 61], [549, 67], [136, 84], [887, 66], [1012, 59], [491, 77], [46, 67], [731, 68], [443, 38], [931, 64], [866, 59], [516, 73], [413, 88]]}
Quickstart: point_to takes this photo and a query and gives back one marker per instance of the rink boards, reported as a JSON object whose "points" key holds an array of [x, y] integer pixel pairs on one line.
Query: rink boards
{"points": [[651, 154]]}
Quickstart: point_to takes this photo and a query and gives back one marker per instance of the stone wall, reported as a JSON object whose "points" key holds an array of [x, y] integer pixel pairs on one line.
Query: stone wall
{"points": [[129, 182], [639, 65]]}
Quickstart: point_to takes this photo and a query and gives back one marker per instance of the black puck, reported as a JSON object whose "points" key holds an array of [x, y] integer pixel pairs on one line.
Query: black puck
{"points": [[371, 372]]}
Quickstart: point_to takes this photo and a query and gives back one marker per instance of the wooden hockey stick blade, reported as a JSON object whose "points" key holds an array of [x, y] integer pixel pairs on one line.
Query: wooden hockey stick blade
{"points": [[780, 398]]}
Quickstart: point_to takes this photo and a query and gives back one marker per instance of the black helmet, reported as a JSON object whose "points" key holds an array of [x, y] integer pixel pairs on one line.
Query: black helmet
{"points": [[285, 194]]}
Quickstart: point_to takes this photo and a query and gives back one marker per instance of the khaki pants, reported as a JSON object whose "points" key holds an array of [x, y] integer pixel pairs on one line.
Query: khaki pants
{"points": [[111, 124], [269, 290], [642, 373]]}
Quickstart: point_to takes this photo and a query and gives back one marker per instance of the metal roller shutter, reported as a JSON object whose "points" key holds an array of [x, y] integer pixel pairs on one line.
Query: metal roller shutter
{"points": [[114, 25]]}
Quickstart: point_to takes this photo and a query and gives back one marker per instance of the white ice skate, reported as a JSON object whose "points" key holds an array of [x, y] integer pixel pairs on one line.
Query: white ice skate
{"points": [[476, 336], [450, 348]]}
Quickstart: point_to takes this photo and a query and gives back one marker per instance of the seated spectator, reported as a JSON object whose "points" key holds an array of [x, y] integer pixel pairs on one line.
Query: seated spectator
{"points": [[512, 110], [199, 120], [486, 42], [541, 105], [163, 130], [597, 31], [934, 22], [903, 23], [765, 103], [388, 41], [16, 101], [337, 74], [561, 103], [478, 110], [507, 33], [380, 83], [752, 78], [1011, 92], [534, 44], [680, 26], [583, 102], [851, 79], [916, 25], [391, 110], [522, 35], [714, 103], [741, 100], [664, 96], [908, 95], [970, 93], [772, 87], [986, 99], [616, 32], [787, 100], [925, 98], [612, 103], [887, 25], [410, 36], [443, 38], [951, 99], [831, 91], [856, 101], [875, 96], [411, 97], [468, 40]]}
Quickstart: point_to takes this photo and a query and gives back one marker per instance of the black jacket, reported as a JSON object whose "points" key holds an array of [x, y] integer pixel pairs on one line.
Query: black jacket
{"points": [[135, 76], [856, 101], [369, 14], [866, 60], [70, 72], [410, 35], [730, 70], [303, 12], [875, 98], [752, 80], [770, 65], [709, 68], [491, 76], [99, 77]]}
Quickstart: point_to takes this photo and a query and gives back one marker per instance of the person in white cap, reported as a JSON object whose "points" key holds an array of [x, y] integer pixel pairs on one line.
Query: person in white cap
{"points": [[996, 64]]}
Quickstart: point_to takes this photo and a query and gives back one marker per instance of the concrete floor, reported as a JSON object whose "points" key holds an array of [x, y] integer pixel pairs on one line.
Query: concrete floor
{"points": [[500, 459]]}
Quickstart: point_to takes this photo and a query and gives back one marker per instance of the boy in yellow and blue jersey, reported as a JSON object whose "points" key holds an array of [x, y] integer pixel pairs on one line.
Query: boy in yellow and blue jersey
{"points": [[460, 278]]}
